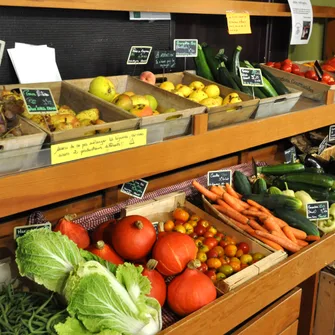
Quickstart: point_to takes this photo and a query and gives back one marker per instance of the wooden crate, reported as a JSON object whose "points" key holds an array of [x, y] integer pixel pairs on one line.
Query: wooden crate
{"points": [[17, 153], [160, 127], [310, 88], [161, 208], [65, 94], [222, 115]]}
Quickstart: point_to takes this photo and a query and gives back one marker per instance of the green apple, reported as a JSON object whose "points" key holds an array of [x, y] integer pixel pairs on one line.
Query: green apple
{"points": [[124, 101], [152, 101], [103, 88]]}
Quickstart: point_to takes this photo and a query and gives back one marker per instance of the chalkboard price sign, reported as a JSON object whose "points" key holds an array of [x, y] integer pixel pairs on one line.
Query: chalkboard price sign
{"points": [[331, 136], [139, 55], [186, 47], [38, 100], [251, 77], [165, 59], [20, 231], [135, 188], [290, 155], [221, 177], [317, 210], [324, 145]]}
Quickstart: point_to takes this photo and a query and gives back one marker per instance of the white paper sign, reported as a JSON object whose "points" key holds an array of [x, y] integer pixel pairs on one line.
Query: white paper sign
{"points": [[302, 21]]}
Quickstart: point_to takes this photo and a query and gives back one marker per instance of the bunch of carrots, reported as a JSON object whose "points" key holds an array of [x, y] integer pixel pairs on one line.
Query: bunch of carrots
{"points": [[255, 219]]}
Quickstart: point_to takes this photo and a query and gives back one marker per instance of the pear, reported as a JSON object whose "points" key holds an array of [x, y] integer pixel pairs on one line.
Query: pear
{"points": [[103, 88], [198, 95], [196, 85], [167, 86]]}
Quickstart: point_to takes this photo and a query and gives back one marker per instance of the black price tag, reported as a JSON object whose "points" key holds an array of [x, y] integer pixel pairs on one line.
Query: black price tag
{"points": [[290, 155], [317, 210], [251, 77], [135, 188], [318, 69], [331, 136], [20, 231], [38, 100], [221, 177], [139, 55], [186, 47], [324, 145], [165, 59]]}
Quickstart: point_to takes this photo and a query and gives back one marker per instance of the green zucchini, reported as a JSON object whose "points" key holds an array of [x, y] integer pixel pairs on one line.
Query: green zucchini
{"points": [[225, 77], [235, 63], [203, 69], [259, 93], [317, 193], [244, 89], [274, 190], [280, 169], [241, 183], [273, 201], [221, 56], [259, 186], [275, 82], [316, 179], [212, 62], [297, 220]]}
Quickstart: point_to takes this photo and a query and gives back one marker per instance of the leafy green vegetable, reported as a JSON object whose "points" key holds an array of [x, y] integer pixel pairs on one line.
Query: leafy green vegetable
{"points": [[47, 257], [100, 301], [88, 256]]}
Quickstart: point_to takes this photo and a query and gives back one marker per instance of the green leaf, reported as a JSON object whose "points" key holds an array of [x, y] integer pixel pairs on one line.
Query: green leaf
{"points": [[88, 256], [47, 257]]}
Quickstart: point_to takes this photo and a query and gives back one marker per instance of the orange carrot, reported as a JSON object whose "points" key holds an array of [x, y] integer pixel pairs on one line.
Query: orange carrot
{"points": [[232, 213], [278, 234], [221, 188], [256, 225], [270, 224], [284, 242], [258, 214], [299, 234], [311, 238], [237, 204], [207, 193], [242, 226], [258, 206], [272, 244], [289, 233], [232, 192], [280, 222], [216, 191], [302, 243]]}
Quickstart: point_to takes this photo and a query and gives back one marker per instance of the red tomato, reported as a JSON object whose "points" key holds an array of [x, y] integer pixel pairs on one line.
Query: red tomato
{"points": [[331, 81], [302, 74], [277, 65], [271, 64], [199, 230], [193, 235], [211, 274], [295, 69], [287, 68], [209, 234], [244, 247], [310, 74], [286, 62], [212, 253], [211, 242], [203, 267], [326, 77], [204, 223]]}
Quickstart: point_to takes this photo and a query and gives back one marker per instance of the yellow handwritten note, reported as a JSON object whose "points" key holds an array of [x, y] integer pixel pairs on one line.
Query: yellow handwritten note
{"points": [[94, 146], [238, 23]]}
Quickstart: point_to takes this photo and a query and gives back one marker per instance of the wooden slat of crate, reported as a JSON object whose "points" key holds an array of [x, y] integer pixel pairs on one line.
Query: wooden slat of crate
{"points": [[222, 115], [310, 88], [65, 94], [160, 208]]}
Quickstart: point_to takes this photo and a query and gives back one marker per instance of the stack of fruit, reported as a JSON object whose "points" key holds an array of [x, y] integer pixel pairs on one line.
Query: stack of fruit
{"points": [[205, 95]]}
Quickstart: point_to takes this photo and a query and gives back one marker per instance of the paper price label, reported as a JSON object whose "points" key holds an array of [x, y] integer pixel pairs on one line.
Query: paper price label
{"points": [[238, 23]]}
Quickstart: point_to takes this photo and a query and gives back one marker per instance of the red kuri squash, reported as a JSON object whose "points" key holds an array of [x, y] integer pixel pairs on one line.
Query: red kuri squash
{"points": [[190, 290], [173, 251], [105, 252]]}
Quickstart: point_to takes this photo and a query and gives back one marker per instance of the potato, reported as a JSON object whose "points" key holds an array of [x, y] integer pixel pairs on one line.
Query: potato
{"points": [[91, 114], [104, 130]]}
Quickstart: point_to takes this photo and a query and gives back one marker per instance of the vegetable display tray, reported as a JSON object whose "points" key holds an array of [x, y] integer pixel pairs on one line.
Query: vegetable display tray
{"points": [[220, 116], [160, 127], [161, 208], [310, 88], [66, 94]]}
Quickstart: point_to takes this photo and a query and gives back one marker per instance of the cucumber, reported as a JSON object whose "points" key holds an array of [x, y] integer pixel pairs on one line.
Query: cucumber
{"points": [[274, 190], [212, 62], [317, 193], [241, 183], [280, 169], [316, 179], [203, 69], [275, 82], [225, 77], [235, 63], [275, 201], [297, 220], [259, 186], [244, 89], [259, 93]]}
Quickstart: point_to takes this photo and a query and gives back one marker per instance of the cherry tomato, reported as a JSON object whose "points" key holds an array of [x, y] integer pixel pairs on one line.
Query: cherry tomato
{"points": [[286, 68], [331, 81], [326, 77], [192, 223], [211, 274], [168, 225], [277, 65], [180, 214], [203, 267], [227, 240], [286, 62], [194, 217], [310, 74], [219, 235], [295, 68], [176, 222], [220, 276], [257, 256], [236, 266], [224, 260], [244, 247], [198, 242], [212, 230], [203, 248], [230, 250], [271, 64], [246, 259], [180, 228], [199, 230], [202, 256], [204, 223], [219, 250], [193, 235], [188, 228], [211, 242], [234, 259], [226, 269], [212, 254], [209, 234], [239, 253], [213, 263]]}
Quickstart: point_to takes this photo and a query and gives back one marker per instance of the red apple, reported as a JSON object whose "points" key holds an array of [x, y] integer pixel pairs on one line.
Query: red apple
{"points": [[148, 77]]}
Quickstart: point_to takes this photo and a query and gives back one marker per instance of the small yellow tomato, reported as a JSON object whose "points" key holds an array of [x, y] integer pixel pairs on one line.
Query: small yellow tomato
{"points": [[188, 228], [203, 248], [194, 217], [213, 263], [202, 256], [180, 228], [212, 229], [198, 242], [234, 259]]}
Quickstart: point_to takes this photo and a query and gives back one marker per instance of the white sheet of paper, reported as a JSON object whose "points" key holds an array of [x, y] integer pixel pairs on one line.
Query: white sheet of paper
{"points": [[302, 21], [34, 63]]}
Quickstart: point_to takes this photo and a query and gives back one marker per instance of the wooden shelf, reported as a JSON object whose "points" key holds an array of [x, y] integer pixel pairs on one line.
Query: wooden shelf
{"points": [[36, 188], [172, 6]]}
